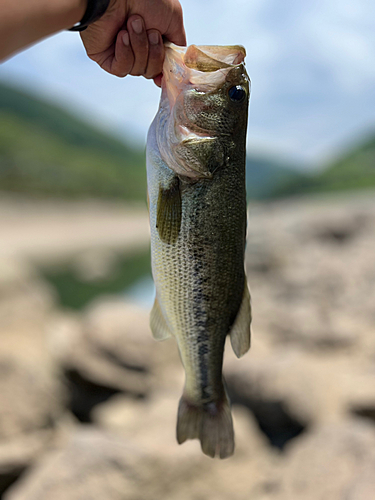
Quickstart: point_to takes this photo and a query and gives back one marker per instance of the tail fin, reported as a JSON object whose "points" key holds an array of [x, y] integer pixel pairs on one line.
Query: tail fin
{"points": [[212, 424]]}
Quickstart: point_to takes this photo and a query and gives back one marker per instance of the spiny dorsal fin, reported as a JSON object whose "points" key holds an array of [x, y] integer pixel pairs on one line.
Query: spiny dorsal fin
{"points": [[169, 211], [158, 325], [240, 332]]}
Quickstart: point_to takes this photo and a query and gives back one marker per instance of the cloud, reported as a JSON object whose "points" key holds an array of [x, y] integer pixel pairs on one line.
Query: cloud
{"points": [[312, 66]]}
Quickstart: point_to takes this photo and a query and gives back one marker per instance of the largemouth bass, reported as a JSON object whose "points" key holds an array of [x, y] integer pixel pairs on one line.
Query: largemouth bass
{"points": [[197, 202]]}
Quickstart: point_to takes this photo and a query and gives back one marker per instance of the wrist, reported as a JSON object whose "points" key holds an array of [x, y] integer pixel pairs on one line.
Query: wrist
{"points": [[25, 22], [61, 14], [80, 8], [74, 11], [94, 11]]}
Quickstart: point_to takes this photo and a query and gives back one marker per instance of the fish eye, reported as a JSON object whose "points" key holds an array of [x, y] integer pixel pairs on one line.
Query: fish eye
{"points": [[237, 93]]}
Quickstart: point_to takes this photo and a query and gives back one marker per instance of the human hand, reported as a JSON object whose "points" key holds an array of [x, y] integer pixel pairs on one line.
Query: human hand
{"points": [[128, 38]]}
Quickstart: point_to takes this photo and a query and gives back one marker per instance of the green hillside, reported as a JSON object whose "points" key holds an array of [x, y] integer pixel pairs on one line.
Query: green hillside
{"points": [[353, 170], [45, 150], [266, 178]]}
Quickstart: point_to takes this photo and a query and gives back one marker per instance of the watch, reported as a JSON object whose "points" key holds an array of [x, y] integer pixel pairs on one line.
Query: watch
{"points": [[95, 9]]}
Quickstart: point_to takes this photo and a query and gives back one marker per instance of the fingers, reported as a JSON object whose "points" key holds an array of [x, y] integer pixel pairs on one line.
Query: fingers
{"points": [[155, 54], [139, 44], [157, 80], [135, 52], [125, 45], [123, 60]]}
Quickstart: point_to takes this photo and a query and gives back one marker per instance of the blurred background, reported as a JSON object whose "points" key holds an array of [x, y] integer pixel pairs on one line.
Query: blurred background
{"points": [[88, 400]]}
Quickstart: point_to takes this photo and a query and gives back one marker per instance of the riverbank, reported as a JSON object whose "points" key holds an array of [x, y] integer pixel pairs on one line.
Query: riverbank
{"points": [[55, 230], [88, 400]]}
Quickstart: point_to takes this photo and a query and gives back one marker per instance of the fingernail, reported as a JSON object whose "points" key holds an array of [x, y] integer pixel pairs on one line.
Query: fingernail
{"points": [[153, 38], [125, 38], [137, 26]]}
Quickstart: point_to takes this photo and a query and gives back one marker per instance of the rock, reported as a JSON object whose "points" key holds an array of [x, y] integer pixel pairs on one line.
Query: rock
{"points": [[121, 331], [76, 350], [24, 296], [119, 334], [153, 422], [16, 455], [152, 425], [310, 325], [110, 349], [31, 393], [31, 397], [318, 293], [91, 376], [306, 389], [331, 462], [96, 464], [92, 465], [363, 487]]}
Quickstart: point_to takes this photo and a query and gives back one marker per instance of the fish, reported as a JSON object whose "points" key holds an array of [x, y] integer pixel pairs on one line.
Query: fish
{"points": [[196, 151]]}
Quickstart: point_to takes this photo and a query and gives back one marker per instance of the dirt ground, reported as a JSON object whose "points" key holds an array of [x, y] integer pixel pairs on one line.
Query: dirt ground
{"points": [[55, 230]]}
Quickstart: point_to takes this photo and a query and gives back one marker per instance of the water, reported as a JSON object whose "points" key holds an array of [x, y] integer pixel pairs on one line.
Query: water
{"points": [[141, 293]]}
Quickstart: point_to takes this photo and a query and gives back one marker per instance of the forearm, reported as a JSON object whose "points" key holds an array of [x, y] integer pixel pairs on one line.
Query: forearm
{"points": [[23, 22]]}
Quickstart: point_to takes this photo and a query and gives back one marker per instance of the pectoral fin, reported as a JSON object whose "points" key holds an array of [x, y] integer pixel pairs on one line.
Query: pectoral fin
{"points": [[158, 325], [169, 212], [240, 332]]}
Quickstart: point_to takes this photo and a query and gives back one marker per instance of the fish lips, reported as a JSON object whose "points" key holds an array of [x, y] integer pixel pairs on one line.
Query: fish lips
{"points": [[203, 67]]}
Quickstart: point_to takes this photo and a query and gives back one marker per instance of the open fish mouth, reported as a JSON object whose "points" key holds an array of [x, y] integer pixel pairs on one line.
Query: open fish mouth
{"points": [[212, 57], [202, 66]]}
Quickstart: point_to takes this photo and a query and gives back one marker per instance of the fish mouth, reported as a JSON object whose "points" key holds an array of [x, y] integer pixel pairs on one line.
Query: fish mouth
{"points": [[209, 58], [201, 66]]}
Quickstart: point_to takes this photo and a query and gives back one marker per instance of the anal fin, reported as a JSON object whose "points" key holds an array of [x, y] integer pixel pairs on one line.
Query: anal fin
{"points": [[158, 325], [240, 332]]}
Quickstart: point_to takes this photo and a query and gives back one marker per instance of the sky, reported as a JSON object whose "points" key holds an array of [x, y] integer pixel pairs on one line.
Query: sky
{"points": [[311, 62]]}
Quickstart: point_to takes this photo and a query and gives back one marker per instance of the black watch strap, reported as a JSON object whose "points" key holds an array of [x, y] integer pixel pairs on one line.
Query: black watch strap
{"points": [[95, 10]]}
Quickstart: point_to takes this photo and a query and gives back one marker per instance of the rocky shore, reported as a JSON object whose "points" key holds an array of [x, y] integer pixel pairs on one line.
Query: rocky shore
{"points": [[88, 399]]}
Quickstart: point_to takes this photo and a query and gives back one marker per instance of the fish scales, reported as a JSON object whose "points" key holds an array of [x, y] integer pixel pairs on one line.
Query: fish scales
{"points": [[198, 232]]}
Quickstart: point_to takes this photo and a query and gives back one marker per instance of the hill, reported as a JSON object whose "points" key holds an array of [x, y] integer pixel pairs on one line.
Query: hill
{"points": [[267, 178], [354, 170], [45, 150]]}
